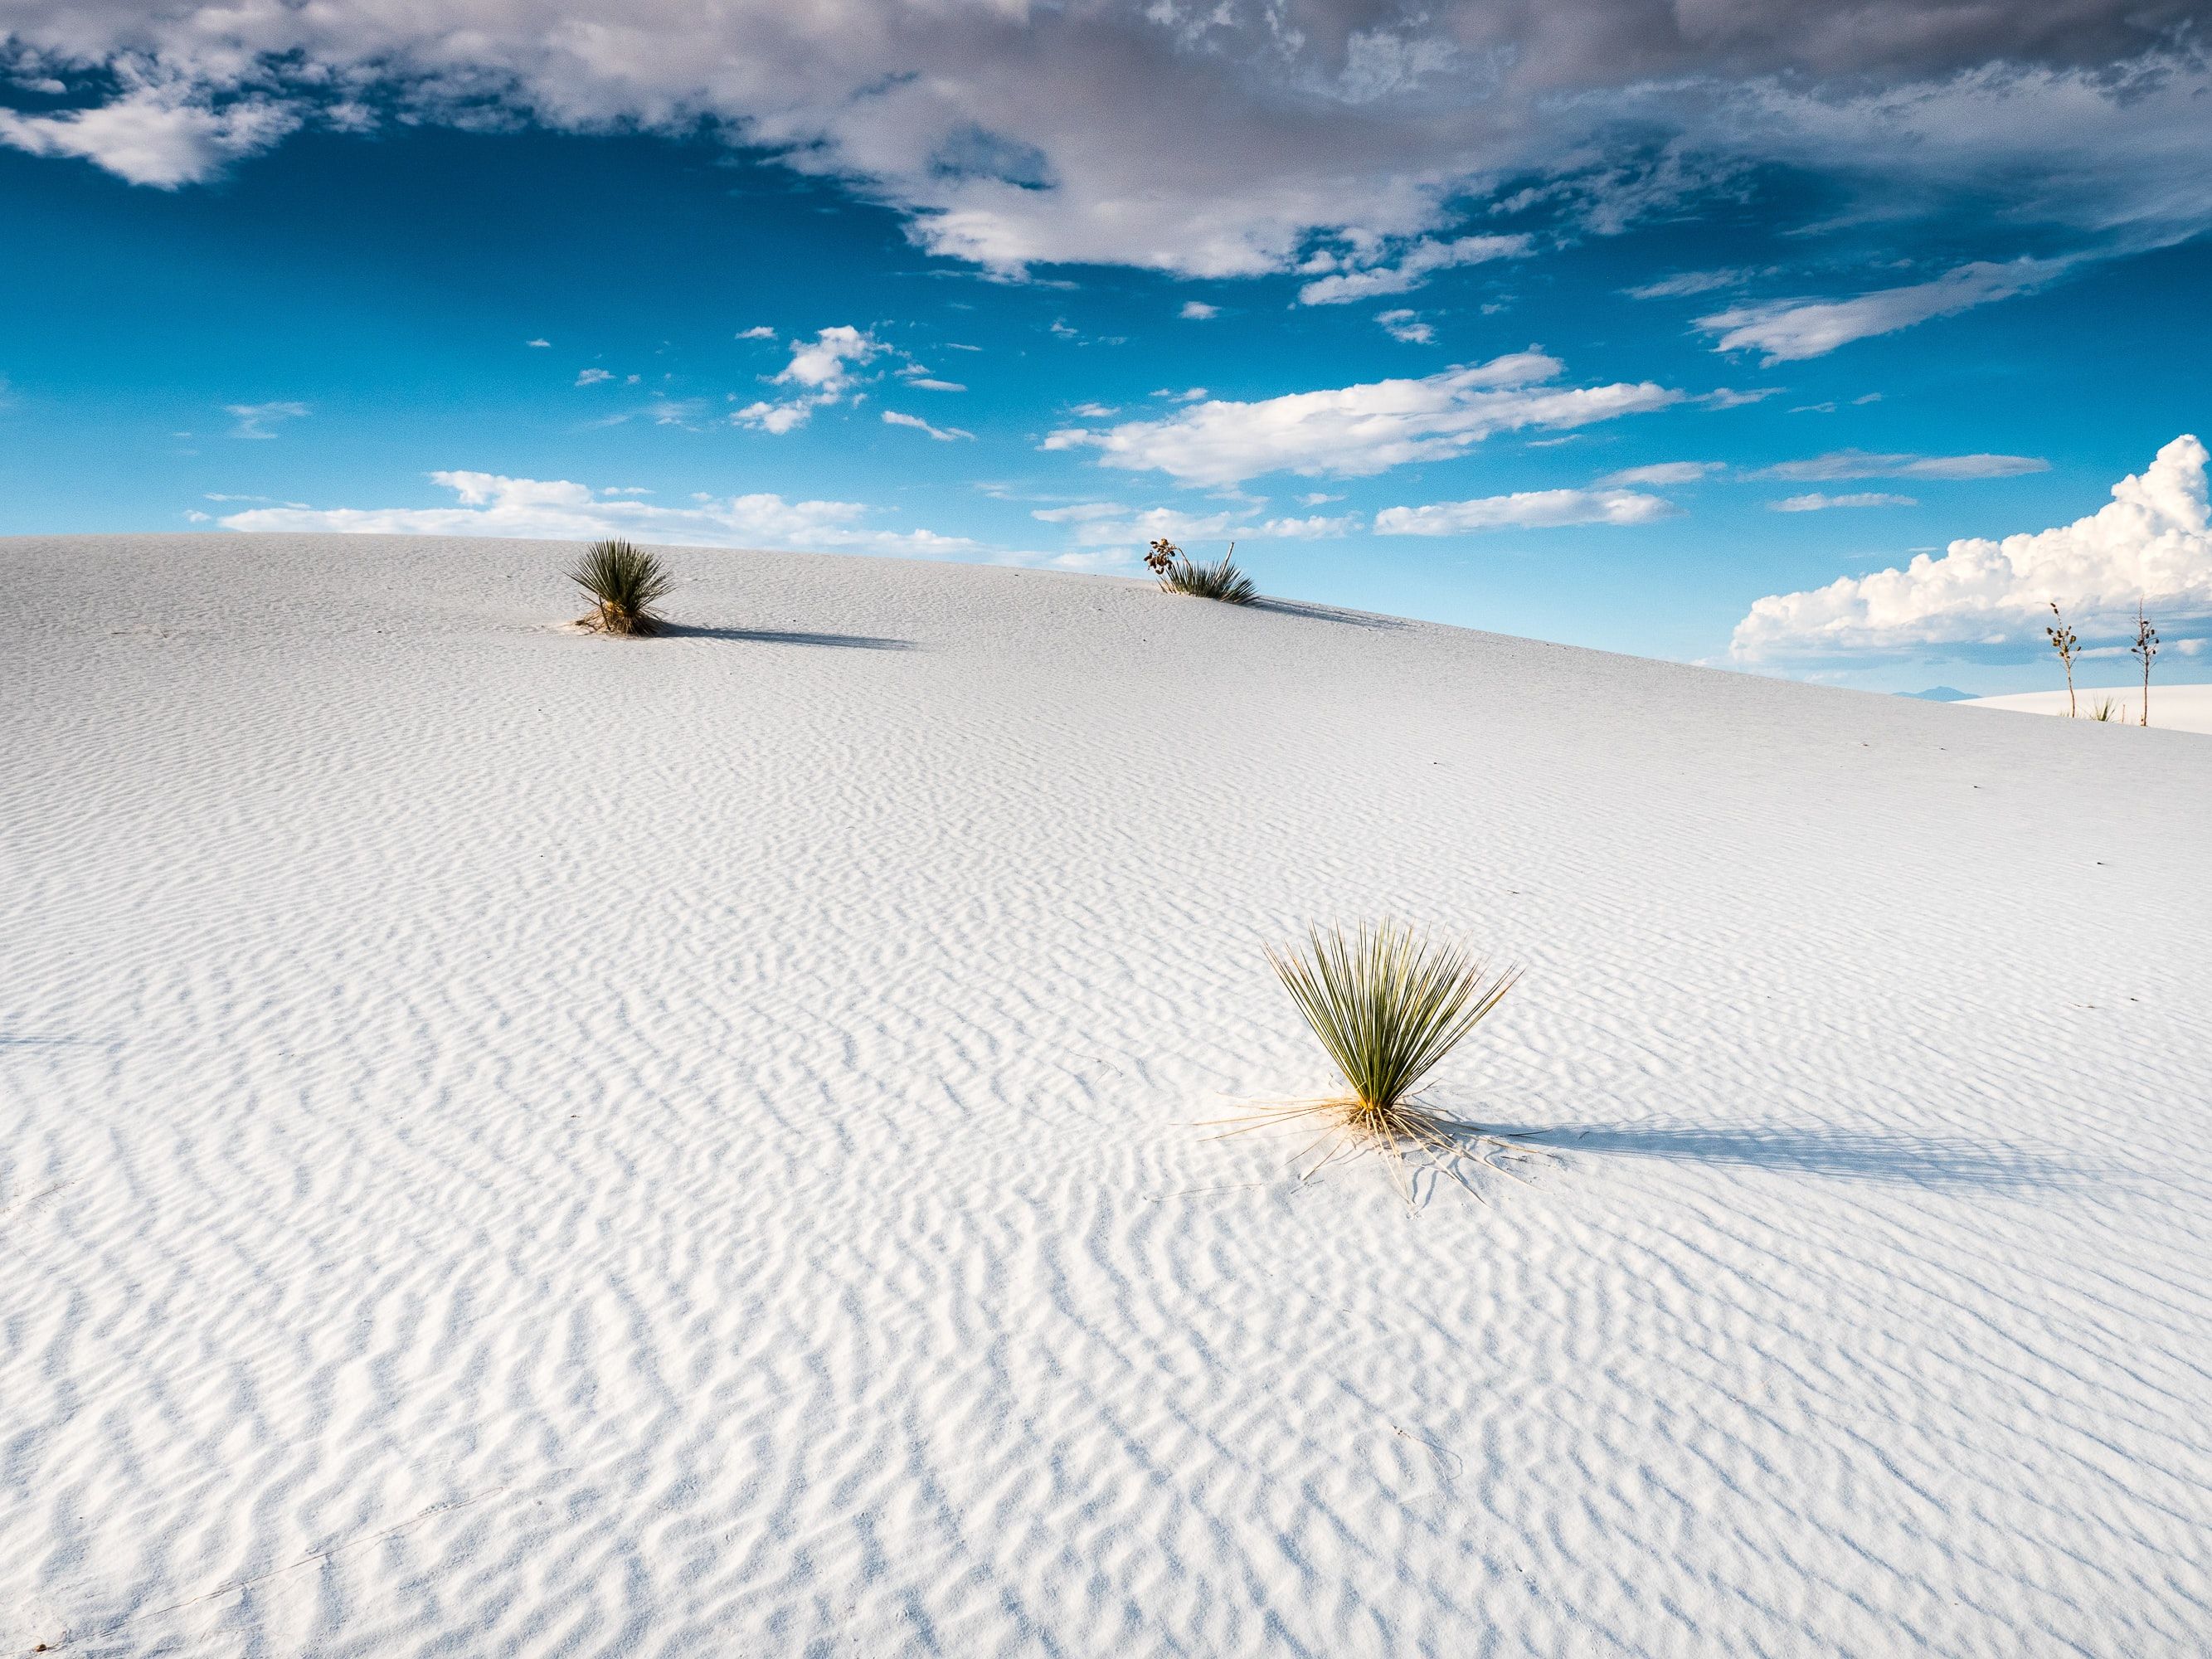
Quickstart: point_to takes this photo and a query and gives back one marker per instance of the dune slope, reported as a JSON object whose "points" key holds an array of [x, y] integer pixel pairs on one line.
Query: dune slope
{"points": [[2174, 708], [515, 1143]]}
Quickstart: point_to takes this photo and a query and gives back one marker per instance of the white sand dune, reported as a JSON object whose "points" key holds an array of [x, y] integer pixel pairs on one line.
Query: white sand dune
{"points": [[2176, 707], [513, 1143]]}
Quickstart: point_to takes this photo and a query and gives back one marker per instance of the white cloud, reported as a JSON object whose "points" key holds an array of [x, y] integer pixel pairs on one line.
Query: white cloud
{"points": [[1405, 326], [1665, 472], [1726, 398], [942, 434], [1816, 502], [825, 367], [1790, 330], [160, 135], [758, 331], [540, 344], [1358, 278], [826, 363], [1218, 139], [775, 419], [1197, 311], [1108, 524], [2150, 544], [1859, 464], [930, 383], [1528, 509], [1689, 283], [593, 377], [489, 505], [256, 420], [1357, 430]]}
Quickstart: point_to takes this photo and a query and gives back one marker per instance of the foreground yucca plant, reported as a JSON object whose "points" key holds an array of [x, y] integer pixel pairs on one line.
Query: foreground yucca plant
{"points": [[1180, 573], [1387, 1005], [623, 582]]}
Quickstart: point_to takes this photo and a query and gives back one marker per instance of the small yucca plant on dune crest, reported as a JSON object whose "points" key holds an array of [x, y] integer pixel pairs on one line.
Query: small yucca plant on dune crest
{"points": [[1180, 573], [623, 583], [1387, 1005]]}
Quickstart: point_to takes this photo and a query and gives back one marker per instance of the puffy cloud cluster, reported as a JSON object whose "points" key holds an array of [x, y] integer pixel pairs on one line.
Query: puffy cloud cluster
{"points": [[822, 368], [1357, 430], [488, 504], [1218, 138], [164, 135], [2150, 545], [1354, 277]]}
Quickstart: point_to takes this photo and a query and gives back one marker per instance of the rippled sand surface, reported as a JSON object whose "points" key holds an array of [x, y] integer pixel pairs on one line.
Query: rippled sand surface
{"points": [[513, 1143]]}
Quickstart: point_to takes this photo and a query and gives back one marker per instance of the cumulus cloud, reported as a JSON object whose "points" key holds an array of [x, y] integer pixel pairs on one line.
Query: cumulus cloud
{"points": [[164, 136], [260, 420], [1220, 139], [593, 376], [942, 434], [1528, 509], [824, 368], [1358, 430], [1197, 311], [1415, 264], [758, 331], [488, 504], [1405, 326], [1790, 330], [1860, 464], [2151, 543], [1817, 502]]}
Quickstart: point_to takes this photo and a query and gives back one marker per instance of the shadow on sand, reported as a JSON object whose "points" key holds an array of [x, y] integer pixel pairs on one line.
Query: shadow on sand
{"points": [[1849, 1155], [1327, 613], [780, 636]]}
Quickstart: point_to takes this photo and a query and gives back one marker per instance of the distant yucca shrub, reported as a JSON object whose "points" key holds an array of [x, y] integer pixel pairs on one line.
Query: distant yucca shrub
{"points": [[623, 582], [1388, 1006], [2104, 709], [1180, 573]]}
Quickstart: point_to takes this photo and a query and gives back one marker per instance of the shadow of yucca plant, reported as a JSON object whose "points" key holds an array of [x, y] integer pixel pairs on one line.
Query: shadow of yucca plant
{"points": [[1387, 1005], [623, 582], [1180, 573]]}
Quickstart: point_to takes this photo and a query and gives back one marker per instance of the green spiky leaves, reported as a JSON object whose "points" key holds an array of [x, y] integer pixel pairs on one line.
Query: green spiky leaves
{"points": [[1387, 1005], [623, 582], [1180, 573]]}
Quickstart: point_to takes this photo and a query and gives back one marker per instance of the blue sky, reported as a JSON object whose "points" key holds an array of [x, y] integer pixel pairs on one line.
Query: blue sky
{"points": [[1616, 389]]}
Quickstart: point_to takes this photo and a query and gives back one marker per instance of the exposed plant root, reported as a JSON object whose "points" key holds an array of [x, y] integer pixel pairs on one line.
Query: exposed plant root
{"points": [[1408, 1134]]}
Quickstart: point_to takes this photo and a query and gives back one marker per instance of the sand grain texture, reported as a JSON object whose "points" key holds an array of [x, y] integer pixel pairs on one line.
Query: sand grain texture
{"points": [[520, 1143]]}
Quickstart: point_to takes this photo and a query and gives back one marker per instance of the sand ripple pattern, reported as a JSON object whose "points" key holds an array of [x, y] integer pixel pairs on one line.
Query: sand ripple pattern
{"points": [[518, 1144]]}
